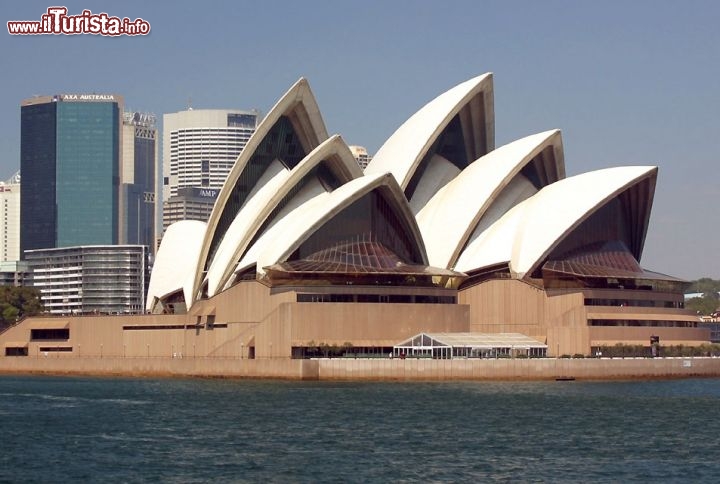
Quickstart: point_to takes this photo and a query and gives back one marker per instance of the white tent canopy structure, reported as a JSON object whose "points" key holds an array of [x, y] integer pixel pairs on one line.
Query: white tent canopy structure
{"points": [[469, 345]]}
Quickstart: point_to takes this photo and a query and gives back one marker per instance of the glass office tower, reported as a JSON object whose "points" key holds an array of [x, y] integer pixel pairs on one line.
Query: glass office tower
{"points": [[37, 162], [70, 148]]}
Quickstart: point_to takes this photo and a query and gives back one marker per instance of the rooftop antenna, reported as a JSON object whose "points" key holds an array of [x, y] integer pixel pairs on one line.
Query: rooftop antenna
{"points": [[189, 103]]}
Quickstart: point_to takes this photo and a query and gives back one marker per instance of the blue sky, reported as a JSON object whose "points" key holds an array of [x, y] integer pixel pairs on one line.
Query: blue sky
{"points": [[627, 82]]}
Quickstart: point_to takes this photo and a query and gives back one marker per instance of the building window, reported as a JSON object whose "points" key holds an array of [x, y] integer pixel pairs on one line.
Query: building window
{"points": [[49, 334], [55, 349], [16, 351]]}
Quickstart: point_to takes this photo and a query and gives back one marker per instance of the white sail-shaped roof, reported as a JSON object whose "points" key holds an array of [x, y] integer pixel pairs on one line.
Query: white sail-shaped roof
{"points": [[494, 245], [296, 107], [282, 239], [558, 208], [261, 204], [527, 234], [175, 261], [402, 153], [294, 198], [450, 217]]}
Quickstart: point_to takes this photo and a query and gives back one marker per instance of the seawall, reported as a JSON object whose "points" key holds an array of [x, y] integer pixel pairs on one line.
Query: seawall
{"points": [[370, 369]]}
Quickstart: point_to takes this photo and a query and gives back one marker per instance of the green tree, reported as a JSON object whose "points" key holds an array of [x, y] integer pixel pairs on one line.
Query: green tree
{"points": [[10, 313], [705, 285], [709, 303], [18, 302], [703, 305]]}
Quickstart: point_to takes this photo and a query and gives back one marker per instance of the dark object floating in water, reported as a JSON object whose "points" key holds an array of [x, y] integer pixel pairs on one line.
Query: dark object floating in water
{"points": [[565, 378]]}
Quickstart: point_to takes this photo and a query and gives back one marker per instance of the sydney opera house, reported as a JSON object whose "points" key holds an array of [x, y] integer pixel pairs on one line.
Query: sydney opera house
{"points": [[442, 233]]}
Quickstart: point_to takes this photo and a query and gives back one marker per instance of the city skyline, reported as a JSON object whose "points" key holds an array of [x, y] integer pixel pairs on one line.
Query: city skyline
{"points": [[627, 84]]}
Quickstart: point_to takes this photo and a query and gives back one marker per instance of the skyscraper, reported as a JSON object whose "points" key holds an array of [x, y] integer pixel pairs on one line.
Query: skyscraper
{"points": [[10, 219], [138, 175], [200, 147], [69, 159]]}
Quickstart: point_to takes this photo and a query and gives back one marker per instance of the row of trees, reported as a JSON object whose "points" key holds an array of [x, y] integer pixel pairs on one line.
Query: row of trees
{"points": [[18, 302], [627, 351], [709, 303], [324, 350]]}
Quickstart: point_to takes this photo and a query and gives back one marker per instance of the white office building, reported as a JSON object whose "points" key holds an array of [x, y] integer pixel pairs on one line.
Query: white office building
{"points": [[10, 219], [200, 146]]}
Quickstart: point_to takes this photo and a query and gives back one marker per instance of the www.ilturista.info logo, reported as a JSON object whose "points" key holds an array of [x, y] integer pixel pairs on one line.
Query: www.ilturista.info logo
{"points": [[57, 22]]}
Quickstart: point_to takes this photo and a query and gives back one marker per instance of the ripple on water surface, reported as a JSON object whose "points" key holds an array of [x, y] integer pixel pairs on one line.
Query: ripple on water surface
{"points": [[69, 429]]}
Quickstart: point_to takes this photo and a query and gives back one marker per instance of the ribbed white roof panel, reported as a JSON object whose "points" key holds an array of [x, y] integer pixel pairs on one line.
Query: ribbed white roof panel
{"points": [[240, 228], [403, 151], [282, 239], [450, 216], [494, 245], [558, 208], [526, 234], [299, 100], [175, 260], [270, 192]]}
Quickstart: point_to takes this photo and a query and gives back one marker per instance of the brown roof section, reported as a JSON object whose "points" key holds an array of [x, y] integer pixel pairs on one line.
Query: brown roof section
{"points": [[358, 257], [608, 259]]}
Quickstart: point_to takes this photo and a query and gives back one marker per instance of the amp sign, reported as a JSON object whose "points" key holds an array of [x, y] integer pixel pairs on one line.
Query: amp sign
{"points": [[208, 193]]}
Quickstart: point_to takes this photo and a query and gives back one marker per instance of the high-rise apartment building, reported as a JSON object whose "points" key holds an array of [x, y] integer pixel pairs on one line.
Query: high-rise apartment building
{"points": [[69, 160], [139, 172], [91, 279], [200, 147], [361, 155], [10, 219]]}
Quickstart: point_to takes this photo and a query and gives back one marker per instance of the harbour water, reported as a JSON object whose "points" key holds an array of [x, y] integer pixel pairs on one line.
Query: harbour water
{"points": [[57, 429]]}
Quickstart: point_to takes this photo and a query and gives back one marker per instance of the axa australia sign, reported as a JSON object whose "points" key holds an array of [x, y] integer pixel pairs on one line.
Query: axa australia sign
{"points": [[86, 97]]}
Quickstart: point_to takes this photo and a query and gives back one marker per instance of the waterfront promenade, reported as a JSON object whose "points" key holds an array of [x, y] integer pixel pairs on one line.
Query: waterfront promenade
{"points": [[371, 369]]}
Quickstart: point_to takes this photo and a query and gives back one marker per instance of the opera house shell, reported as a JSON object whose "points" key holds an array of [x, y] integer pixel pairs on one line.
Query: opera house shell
{"points": [[443, 232]]}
